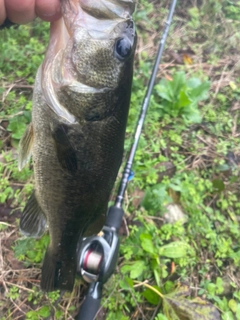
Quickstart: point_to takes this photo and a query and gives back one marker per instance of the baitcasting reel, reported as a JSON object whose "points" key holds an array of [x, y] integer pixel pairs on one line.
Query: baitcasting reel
{"points": [[97, 259], [98, 256]]}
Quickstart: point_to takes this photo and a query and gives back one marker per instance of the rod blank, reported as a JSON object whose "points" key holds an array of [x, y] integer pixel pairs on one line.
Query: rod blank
{"points": [[128, 166]]}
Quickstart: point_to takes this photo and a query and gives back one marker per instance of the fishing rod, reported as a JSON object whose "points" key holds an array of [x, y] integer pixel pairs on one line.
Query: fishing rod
{"points": [[97, 255]]}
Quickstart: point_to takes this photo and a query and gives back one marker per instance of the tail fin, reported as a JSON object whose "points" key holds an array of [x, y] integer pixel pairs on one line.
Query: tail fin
{"points": [[58, 273]]}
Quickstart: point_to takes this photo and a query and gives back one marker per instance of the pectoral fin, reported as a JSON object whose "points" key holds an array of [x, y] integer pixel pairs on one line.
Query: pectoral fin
{"points": [[25, 147], [33, 220], [65, 151]]}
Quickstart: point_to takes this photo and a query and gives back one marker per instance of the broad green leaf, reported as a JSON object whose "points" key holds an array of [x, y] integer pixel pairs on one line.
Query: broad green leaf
{"points": [[211, 288], [218, 185], [17, 126], [169, 286], [157, 276], [155, 197], [233, 305], [138, 268], [183, 99], [163, 93], [193, 82], [228, 315], [126, 283], [223, 167], [147, 243], [151, 296], [179, 80], [176, 249], [193, 115], [135, 269], [32, 315], [44, 311], [201, 92], [126, 268], [58, 314], [155, 268]]}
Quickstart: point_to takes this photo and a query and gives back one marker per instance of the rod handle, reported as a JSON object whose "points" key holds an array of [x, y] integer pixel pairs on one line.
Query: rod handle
{"points": [[89, 308], [91, 303]]}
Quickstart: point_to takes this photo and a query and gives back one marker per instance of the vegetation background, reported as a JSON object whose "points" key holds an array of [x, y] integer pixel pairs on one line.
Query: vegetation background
{"points": [[180, 246]]}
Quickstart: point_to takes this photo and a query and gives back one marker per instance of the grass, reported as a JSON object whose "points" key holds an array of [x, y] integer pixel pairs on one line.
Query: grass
{"points": [[180, 247]]}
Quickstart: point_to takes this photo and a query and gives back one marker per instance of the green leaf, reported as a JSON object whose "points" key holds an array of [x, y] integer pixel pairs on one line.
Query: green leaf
{"points": [[211, 288], [192, 114], [218, 185], [200, 92], [163, 93], [155, 197], [59, 314], [126, 283], [72, 308], [183, 99], [32, 315], [147, 243], [233, 305], [223, 167], [135, 269], [169, 286], [155, 266], [17, 127], [44, 311], [219, 285], [176, 249], [151, 296], [193, 82], [179, 80]]}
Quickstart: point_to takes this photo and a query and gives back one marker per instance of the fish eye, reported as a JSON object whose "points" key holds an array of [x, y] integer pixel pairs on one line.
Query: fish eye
{"points": [[123, 48]]}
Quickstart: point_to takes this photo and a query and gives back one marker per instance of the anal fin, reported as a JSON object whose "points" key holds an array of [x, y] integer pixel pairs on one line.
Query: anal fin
{"points": [[33, 220], [65, 151], [25, 147]]}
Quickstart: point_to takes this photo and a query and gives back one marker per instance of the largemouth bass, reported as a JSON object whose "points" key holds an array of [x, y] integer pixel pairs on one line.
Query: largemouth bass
{"points": [[80, 108]]}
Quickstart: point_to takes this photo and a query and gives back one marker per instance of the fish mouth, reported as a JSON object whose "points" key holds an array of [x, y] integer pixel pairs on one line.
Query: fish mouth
{"points": [[105, 14], [108, 9]]}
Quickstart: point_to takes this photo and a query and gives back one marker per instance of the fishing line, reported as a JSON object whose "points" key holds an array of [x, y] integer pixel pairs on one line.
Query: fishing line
{"points": [[98, 271]]}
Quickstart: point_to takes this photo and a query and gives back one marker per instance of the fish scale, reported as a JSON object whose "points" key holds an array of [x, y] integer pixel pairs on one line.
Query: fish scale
{"points": [[80, 108]]}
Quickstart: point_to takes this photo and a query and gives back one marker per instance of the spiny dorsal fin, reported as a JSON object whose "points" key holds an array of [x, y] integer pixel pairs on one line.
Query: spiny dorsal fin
{"points": [[25, 147], [65, 151], [33, 220]]}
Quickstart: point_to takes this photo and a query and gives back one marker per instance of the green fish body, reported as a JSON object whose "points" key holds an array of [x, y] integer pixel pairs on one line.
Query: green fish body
{"points": [[80, 108]]}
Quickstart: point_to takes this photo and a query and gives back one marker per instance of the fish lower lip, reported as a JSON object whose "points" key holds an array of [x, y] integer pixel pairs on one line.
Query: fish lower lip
{"points": [[83, 88]]}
